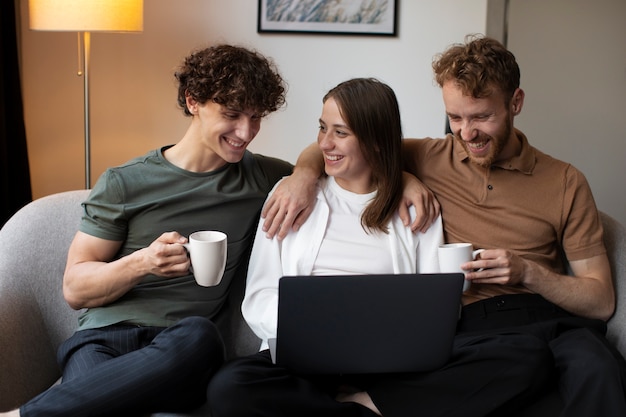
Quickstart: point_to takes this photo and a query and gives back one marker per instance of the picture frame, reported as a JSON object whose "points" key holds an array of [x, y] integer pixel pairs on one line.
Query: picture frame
{"points": [[336, 17]]}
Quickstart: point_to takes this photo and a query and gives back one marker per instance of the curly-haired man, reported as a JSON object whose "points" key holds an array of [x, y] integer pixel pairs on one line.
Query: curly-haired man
{"points": [[146, 340]]}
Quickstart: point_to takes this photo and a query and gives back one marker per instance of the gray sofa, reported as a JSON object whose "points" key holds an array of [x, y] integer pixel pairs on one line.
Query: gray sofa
{"points": [[34, 318]]}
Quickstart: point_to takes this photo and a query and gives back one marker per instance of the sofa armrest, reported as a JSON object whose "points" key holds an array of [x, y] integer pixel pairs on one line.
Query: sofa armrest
{"points": [[615, 242], [27, 357], [34, 317]]}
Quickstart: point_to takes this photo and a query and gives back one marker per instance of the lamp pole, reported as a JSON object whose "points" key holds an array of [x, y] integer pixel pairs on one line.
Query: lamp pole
{"points": [[85, 74], [84, 17]]}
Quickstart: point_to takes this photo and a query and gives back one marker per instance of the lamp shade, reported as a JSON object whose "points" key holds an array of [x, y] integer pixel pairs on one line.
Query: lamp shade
{"points": [[87, 15]]}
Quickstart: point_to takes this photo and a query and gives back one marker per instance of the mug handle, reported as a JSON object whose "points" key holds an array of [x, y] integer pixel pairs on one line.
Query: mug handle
{"points": [[474, 257]]}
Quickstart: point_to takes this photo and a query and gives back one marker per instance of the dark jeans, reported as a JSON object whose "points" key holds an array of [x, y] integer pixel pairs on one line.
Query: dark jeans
{"points": [[124, 370]]}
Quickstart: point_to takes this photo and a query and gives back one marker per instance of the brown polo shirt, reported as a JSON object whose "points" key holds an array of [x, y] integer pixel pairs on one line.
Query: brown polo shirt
{"points": [[532, 204]]}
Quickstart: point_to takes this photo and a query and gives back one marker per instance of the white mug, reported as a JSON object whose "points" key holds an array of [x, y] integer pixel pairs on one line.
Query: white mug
{"points": [[453, 255], [207, 250]]}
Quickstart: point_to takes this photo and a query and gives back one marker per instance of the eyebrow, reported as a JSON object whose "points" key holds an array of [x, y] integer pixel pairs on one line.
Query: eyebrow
{"points": [[336, 125], [473, 115]]}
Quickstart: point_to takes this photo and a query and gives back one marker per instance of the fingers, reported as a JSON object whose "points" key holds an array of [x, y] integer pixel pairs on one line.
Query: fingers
{"points": [[405, 216], [270, 213], [282, 215], [285, 225], [427, 207], [166, 256], [426, 212], [274, 220], [282, 223], [269, 208], [436, 210], [289, 205], [279, 222], [422, 219], [171, 237], [293, 221], [494, 267]]}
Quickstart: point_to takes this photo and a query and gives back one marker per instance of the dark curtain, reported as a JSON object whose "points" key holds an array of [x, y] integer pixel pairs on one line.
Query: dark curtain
{"points": [[15, 190]]}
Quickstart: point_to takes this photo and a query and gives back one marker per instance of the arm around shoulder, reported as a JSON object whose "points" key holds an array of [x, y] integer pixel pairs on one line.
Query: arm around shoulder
{"points": [[292, 201]]}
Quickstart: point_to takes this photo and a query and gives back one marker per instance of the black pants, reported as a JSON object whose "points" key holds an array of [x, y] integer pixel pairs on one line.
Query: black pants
{"points": [[500, 363], [253, 386], [591, 373], [126, 370]]}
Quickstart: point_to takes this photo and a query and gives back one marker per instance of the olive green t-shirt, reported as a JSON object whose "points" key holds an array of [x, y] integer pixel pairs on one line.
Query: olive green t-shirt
{"points": [[147, 196]]}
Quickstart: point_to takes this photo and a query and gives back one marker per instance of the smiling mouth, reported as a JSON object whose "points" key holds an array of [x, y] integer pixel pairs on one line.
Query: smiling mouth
{"points": [[333, 157], [235, 144], [477, 145]]}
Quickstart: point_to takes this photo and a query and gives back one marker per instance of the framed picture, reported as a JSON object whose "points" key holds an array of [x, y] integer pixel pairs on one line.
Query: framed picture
{"points": [[346, 17]]}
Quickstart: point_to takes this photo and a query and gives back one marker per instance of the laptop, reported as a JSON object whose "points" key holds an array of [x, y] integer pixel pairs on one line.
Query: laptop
{"points": [[360, 324]]}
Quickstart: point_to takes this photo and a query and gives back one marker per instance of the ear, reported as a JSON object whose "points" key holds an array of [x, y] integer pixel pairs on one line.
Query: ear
{"points": [[517, 101], [192, 105]]}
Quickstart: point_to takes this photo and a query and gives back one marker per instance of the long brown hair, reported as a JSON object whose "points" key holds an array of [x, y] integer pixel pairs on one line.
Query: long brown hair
{"points": [[371, 110]]}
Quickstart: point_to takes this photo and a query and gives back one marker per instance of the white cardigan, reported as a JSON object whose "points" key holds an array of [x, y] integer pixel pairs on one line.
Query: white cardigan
{"points": [[295, 255]]}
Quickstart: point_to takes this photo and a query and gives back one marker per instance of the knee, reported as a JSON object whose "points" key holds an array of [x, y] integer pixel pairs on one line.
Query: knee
{"points": [[198, 330], [200, 338], [226, 395], [536, 359], [590, 358], [538, 355], [522, 357]]}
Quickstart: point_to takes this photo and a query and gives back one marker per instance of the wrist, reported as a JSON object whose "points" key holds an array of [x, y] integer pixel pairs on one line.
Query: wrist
{"points": [[307, 173]]}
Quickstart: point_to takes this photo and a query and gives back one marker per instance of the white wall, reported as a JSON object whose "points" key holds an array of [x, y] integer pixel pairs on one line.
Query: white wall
{"points": [[133, 96], [572, 55]]}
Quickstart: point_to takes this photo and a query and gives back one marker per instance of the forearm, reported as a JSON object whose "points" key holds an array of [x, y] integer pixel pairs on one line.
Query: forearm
{"points": [[93, 283], [94, 277], [588, 293], [310, 163]]}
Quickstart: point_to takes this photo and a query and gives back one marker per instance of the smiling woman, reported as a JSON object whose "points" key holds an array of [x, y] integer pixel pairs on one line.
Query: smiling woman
{"points": [[354, 228], [361, 122]]}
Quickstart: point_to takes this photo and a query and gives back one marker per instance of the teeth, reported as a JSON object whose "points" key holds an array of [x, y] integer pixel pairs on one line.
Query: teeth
{"points": [[333, 157], [235, 144], [476, 145]]}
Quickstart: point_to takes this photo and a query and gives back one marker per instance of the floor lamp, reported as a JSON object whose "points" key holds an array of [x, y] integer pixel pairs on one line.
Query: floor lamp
{"points": [[84, 17]]}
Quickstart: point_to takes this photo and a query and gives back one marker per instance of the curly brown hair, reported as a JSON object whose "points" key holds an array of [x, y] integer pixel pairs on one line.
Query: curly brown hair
{"points": [[478, 67], [232, 76]]}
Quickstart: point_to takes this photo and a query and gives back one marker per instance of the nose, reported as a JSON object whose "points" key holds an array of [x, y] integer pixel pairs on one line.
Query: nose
{"points": [[467, 130], [324, 141], [247, 128]]}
